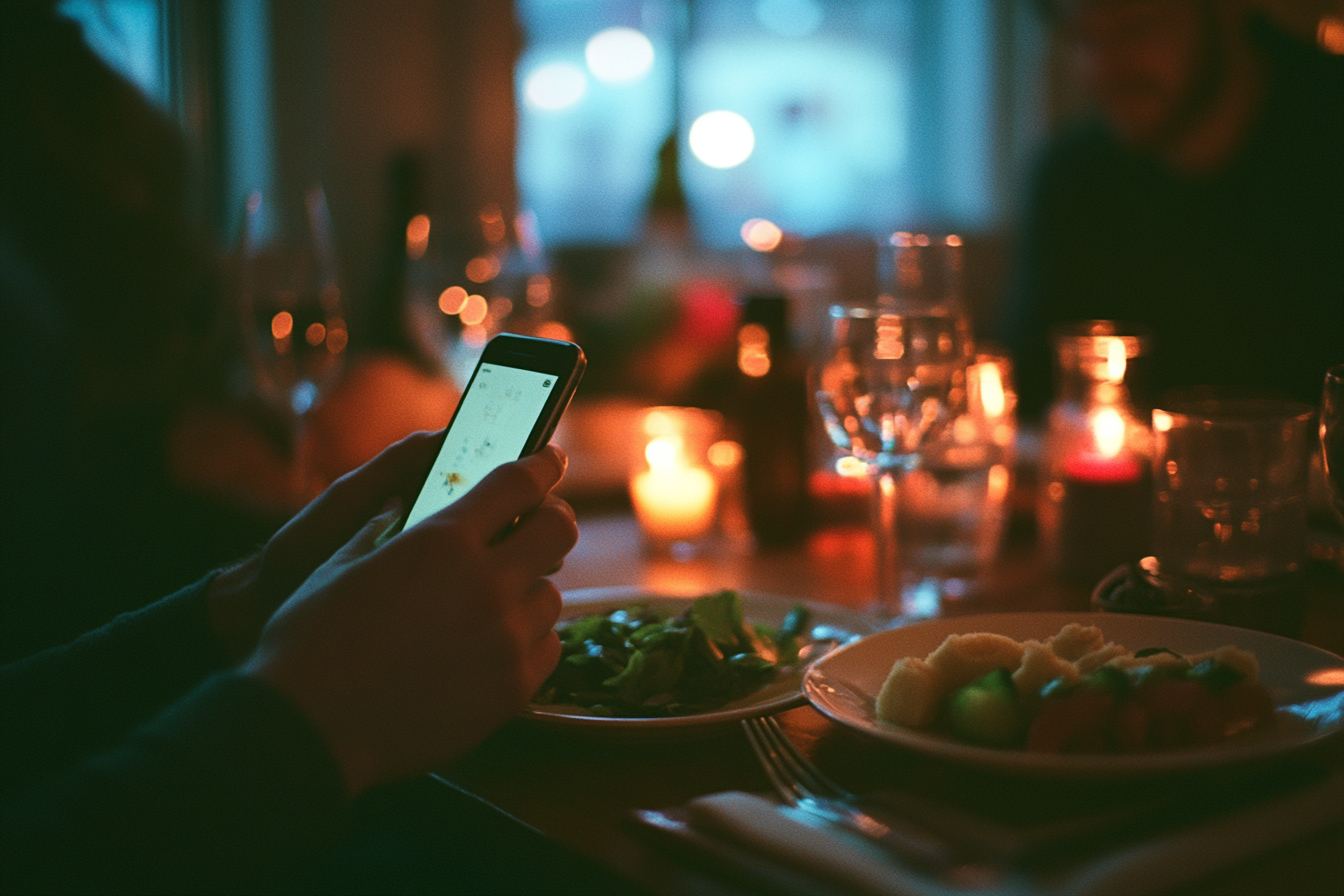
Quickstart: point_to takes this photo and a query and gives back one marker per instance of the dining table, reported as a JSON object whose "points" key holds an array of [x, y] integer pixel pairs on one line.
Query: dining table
{"points": [[569, 801]]}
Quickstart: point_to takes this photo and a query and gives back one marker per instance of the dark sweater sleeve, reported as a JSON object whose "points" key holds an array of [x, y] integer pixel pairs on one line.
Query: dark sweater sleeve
{"points": [[65, 703], [230, 789]]}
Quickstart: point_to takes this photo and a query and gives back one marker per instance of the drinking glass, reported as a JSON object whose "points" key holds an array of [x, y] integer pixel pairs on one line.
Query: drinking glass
{"points": [[292, 314], [891, 378], [1332, 437]]}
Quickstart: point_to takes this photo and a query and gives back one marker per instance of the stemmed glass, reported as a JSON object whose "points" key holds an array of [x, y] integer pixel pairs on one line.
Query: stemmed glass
{"points": [[292, 314], [891, 378], [1332, 437]]}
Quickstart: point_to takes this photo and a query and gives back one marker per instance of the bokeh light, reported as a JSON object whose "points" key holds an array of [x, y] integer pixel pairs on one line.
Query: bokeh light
{"points": [[619, 55], [417, 236], [722, 139], [556, 86], [762, 235], [452, 299]]}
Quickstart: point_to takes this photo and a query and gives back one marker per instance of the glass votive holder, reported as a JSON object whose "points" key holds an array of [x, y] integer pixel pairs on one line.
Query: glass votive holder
{"points": [[1095, 501], [673, 484], [1230, 485]]}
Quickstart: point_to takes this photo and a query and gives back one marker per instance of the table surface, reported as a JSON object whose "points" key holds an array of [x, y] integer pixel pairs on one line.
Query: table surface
{"points": [[580, 791]]}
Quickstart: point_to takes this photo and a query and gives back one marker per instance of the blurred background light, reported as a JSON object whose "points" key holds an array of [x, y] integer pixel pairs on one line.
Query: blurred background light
{"points": [[761, 235], [619, 55], [556, 86], [722, 139]]}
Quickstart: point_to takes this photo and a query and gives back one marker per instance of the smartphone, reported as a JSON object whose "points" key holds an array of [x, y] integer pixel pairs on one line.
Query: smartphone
{"points": [[510, 408]]}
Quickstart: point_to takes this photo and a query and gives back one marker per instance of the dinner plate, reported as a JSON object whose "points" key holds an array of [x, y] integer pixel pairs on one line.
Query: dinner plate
{"points": [[1307, 685], [827, 621]]}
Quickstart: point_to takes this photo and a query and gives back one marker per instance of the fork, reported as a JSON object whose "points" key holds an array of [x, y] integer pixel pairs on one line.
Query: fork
{"points": [[803, 786]]}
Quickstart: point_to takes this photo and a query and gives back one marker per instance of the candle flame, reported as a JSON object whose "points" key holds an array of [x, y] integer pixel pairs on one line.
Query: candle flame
{"points": [[663, 454], [1162, 421], [991, 390], [1115, 360], [1108, 428]]}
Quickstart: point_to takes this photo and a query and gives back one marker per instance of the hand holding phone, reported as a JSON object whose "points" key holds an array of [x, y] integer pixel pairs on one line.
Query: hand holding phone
{"points": [[509, 409]]}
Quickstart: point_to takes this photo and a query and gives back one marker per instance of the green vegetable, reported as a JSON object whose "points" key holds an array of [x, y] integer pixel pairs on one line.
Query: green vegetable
{"points": [[987, 711], [636, 663]]}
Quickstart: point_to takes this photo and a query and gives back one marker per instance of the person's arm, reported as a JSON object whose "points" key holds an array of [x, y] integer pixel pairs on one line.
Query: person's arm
{"points": [[65, 702], [230, 789], [391, 658]]}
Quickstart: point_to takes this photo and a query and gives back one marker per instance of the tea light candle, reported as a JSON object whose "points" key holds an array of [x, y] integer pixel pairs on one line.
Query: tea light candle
{"points": [[674, 501], [1105, 513]]}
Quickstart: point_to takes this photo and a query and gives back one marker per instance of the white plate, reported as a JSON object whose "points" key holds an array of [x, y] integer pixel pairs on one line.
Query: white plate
{"points": [[782, 693], [844, 686]]}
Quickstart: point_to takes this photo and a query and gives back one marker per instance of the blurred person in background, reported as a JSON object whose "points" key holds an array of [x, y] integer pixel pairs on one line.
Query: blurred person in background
{"points": [[111, 308], [1205, 200], [130, 464]]}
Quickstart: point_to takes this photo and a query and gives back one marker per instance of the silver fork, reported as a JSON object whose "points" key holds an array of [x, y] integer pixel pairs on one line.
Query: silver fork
{"points": [[803, 786]]}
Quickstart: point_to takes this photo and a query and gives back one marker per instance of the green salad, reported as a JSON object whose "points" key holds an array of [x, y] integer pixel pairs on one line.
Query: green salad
{"points": [[638, 663]]}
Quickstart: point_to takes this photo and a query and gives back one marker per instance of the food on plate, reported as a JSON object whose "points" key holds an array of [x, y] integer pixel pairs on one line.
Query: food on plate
{"points": [[638, 663], [1075, 693]]}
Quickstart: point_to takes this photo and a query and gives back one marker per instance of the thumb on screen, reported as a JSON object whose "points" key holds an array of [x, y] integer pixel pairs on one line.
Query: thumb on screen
{"points": [[375, 531]]}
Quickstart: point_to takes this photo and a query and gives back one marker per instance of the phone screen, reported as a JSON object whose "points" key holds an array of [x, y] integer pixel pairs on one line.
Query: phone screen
{"points": [[493, 422]]}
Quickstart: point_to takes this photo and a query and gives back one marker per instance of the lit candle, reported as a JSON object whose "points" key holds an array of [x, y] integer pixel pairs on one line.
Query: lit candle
{"points": [[1104, 462], [674, 501]]}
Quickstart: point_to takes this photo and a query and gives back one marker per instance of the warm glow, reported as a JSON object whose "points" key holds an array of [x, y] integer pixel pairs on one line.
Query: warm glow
{"points": [[991, 390], [890, 345], [500, 308], [452, 299], [753, 350], [722, 139], [761, 235], [474, 310], [663, 454], [1332, 677], [417, 236], [1108, 428], [1115, 360], [725, 454], [851, 468], [282, 325], [553, 329], [538, 290], [619, 55], [554, 87], [1162, 421], [1330, 34], [953, 240], [482, 269], [315, 333], [337, 337], [999, 479]]}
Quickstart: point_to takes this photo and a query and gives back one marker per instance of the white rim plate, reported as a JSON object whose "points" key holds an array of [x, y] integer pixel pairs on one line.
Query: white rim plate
{"points": [[783, 693], [844, 685]]}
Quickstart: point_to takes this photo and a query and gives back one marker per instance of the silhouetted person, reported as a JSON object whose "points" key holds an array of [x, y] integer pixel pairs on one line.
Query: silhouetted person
{"points": [[1205, 200]]}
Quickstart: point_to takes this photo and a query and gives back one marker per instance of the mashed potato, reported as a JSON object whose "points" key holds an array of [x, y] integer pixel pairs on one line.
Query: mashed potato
{"points": [[915, 688]]}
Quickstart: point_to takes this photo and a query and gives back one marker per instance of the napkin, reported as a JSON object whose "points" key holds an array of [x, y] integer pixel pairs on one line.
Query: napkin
{"points": [[755, 833]]}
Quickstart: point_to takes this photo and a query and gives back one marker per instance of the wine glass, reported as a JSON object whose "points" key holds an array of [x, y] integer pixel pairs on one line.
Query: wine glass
{"points": [[891, 379], [1332, 437], [293, 320]]}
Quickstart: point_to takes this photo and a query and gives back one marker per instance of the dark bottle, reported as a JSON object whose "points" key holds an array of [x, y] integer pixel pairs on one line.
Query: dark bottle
{"points": [[772, 414], [388, 322]]}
